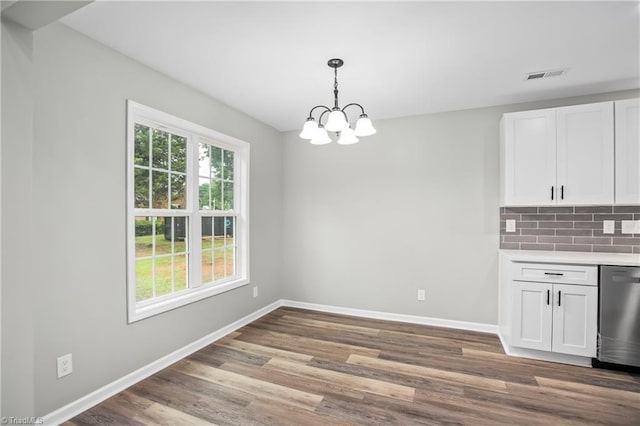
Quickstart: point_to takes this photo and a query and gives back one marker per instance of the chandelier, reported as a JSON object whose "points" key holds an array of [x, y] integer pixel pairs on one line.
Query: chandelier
{"points": [[337, 120]]}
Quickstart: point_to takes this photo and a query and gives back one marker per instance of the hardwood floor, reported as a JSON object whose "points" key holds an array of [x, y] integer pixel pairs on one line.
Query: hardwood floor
{"points": [[302, 367]]}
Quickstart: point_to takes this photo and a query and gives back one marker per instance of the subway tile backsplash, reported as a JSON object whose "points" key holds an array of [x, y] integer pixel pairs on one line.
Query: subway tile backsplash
{"points": [[569, 228]]}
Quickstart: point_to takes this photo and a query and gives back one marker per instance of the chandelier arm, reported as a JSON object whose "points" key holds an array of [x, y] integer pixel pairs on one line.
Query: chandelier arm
{"points": [[321, 115], [358, 105], [318, 106]]}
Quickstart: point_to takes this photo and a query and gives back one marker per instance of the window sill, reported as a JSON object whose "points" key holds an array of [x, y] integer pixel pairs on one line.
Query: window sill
{"points": [[137, 312]]}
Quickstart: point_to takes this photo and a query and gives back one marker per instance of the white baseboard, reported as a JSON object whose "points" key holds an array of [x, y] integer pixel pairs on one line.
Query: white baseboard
{"points": [[503, 342], [78, 406], [412, 319]]}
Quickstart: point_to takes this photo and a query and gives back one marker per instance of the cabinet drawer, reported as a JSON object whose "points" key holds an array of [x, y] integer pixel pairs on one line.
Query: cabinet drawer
{"points": [[556, 273]]}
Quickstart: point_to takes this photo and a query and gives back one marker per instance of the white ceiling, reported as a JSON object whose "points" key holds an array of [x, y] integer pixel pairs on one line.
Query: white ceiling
{"points": [[268, 59]]}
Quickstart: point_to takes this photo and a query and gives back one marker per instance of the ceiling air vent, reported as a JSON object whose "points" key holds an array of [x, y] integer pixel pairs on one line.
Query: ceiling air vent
{"points": [[534, 76], [545, 74]]}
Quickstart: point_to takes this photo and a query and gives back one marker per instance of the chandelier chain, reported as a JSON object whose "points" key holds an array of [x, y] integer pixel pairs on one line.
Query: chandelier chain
{"points": [[335, 88]]}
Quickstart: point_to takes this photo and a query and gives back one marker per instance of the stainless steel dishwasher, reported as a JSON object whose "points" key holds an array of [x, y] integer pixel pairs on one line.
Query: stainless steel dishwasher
{"points": [[619, 317]]}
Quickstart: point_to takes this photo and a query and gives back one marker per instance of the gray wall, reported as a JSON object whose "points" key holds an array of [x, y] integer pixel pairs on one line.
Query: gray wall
{"points": [[17, 262], [414, 206], [77, 248]]}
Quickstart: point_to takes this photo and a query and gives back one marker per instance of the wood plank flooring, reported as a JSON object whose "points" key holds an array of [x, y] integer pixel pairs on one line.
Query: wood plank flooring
{"points": [[300, 367]]}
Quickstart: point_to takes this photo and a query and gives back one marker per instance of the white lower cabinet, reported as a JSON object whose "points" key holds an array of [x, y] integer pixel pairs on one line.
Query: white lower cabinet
{"points": [[555, 317], [532, 315], [575, 324]]}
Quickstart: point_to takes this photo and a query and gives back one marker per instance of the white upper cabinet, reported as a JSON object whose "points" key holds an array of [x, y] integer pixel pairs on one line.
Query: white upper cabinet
{"points": [[585, 154], [529, 157], [627, 124], [558, 156]]}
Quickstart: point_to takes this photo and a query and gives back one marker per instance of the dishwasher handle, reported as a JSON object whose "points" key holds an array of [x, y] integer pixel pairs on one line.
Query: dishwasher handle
{"points": [[625, 279]]}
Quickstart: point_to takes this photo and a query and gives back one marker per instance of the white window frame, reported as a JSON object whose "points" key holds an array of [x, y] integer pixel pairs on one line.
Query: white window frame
{"points": [[195, 134]]}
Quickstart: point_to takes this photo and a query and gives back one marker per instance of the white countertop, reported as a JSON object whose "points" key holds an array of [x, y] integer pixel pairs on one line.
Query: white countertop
{"points": [[572, 257]]}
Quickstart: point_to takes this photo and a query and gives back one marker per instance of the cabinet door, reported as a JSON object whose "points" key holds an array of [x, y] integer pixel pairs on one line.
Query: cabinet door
{"points": [[532, 315], [575, 323], [585, 154], [529, 157], [627, 124]]}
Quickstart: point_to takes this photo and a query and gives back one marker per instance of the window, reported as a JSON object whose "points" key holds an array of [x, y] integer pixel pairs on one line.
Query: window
{"points": [[187, 212]]}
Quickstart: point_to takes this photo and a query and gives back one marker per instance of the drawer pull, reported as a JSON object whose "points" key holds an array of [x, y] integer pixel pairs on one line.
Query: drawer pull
{"points": [[555, 274]]}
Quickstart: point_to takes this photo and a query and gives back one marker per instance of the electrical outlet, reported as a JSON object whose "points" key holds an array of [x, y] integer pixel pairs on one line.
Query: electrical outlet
{"points": [[608, 226], [65, 365], [511, 225], [422, 294], [255, 291], [631, 226]]}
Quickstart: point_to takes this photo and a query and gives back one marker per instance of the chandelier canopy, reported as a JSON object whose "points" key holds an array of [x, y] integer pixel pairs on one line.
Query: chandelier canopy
{"points": [[337, 119]]}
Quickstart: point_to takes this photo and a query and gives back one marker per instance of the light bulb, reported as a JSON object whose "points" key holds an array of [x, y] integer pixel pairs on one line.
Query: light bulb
{"points": [[336, 121], [364, 126], [321, 136], [309, 129], [347, 137]]}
